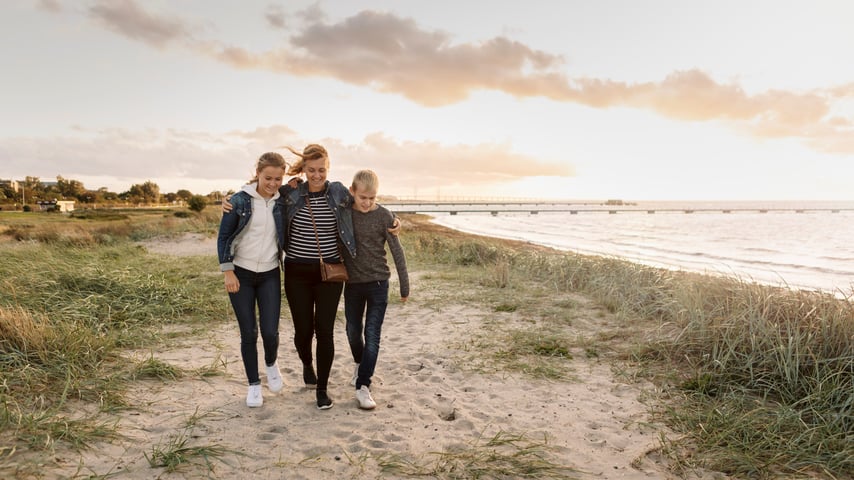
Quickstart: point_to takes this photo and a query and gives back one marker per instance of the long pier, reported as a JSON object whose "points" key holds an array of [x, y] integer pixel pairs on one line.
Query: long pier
{"points": [[494, 208]]}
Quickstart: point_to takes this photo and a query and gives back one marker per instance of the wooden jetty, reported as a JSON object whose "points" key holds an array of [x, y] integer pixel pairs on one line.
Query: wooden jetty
{"points": [[494, 208]]}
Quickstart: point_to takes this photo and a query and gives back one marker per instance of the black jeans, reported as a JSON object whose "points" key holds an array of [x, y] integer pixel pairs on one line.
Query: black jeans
{"points": [[313, 305], [265, 289]]}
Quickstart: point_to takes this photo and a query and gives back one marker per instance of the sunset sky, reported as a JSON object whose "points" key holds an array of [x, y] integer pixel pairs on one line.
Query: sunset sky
{"points": [[636, 100]]}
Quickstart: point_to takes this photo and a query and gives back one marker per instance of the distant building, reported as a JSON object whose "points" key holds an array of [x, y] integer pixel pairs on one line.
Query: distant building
{"points": [[63, 206], [13, 184]]}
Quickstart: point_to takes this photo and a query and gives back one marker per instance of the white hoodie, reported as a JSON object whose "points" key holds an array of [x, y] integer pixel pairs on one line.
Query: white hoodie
{"points": [[255, 247]]}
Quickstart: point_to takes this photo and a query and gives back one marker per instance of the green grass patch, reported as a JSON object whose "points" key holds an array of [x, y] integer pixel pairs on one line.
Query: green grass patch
{"points": [[505, 455]]}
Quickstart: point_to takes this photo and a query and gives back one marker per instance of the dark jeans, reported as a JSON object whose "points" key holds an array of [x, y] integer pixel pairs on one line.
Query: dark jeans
{"points": [[265, 289], [313, 305], [369, 301]]}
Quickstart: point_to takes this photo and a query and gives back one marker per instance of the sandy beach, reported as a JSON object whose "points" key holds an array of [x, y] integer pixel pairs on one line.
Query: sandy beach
{"points": [[435, 398]]}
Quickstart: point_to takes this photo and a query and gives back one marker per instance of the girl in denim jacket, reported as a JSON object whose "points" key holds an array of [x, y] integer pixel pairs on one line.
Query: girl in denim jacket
{"points": [[250, 245]]}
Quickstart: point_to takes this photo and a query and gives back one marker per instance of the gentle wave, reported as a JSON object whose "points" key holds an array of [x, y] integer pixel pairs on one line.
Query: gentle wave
{"points": [[805, 250]]}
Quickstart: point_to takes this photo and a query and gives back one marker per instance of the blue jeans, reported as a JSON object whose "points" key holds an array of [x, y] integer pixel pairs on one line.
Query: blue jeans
{"points": [[369, 301], [265, 289]]}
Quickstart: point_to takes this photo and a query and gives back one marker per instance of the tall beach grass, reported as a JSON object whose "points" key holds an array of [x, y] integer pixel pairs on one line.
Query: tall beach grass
{"points": [[756, 380], [75, 292]]}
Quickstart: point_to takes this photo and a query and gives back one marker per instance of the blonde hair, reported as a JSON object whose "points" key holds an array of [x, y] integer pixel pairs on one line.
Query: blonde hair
{"points": [[310, 152], [269, 159], [366, 179]]}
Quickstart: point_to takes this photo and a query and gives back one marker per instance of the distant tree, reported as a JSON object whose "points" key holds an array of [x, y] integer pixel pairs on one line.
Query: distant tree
{"points": [[197, 203], [33, 189], [184, 195], [148, 192], [70, 188], [107, 195]]}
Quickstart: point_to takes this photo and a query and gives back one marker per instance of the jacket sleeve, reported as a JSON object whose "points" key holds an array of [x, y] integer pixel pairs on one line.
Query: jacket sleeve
{"points": [[227, 228]]}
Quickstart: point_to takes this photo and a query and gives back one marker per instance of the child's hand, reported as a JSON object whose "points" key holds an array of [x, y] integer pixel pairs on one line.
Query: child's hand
{"points": [[403, 299], [395, 227], [294, 182], [226, 205], [232, 284]]}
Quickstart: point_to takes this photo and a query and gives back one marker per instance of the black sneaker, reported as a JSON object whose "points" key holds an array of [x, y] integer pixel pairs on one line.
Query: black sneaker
{"points": [[323, 400], [308, 376]]}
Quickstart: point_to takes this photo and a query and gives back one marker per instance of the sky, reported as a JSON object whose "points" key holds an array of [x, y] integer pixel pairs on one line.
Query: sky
{"points": [[534, 99]]}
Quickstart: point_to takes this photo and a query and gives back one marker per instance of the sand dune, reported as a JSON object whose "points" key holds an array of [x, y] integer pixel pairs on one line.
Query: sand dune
{"points": [[430, 399]]}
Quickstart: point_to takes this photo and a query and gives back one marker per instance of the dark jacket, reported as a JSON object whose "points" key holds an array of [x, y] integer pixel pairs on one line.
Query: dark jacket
{"points": [[235, 221], [339, 199]]}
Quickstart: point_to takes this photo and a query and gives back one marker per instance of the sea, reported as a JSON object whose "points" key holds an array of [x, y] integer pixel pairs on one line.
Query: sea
{"points": [[802, 245]]}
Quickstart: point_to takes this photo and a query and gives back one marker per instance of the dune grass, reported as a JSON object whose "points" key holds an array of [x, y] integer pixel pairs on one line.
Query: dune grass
{"points": [[504, 455], [72, 297], [756, 380]]}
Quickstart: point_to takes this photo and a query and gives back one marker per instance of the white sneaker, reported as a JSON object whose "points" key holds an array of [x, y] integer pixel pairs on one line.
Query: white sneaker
{"points": [[366, 402], [253, 397], [355, 376], [274, 378]]}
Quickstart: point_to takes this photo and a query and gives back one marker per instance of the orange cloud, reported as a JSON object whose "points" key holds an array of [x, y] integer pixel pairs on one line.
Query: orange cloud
{"points": [[391, 54], [180, 154], [431, 164]]}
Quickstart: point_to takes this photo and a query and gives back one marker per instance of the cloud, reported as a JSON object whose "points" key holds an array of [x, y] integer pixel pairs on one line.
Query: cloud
{"points": [[189, 158], [127, 18], [433, 164], [50, 5], [391, 54], [275, 16], [394, 55]]}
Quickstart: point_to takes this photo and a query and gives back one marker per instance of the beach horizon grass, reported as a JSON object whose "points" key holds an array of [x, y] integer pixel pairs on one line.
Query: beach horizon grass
{"points": [[754, 381]]}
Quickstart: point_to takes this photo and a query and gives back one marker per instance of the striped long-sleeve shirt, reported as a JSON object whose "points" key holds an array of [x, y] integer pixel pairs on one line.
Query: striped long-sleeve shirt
{"points": [[302, 244]]}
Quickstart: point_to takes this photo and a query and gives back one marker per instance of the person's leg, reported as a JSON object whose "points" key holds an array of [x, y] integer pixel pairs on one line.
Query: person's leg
{"points": [[269, 293], [328, 294], [243, 303], [299, 290], [354, 312], [376, 294]]}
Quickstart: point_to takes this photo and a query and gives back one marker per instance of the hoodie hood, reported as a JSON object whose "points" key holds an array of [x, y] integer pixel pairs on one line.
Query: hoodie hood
{"points": [[252, 190]]}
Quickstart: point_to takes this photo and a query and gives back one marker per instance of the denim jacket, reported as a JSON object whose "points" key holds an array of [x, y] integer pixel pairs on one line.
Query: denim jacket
{"points": [[340, 201], [235, 221]]}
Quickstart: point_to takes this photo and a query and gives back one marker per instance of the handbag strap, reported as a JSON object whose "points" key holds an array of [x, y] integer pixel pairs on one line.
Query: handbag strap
{"points": [[314, 225]]}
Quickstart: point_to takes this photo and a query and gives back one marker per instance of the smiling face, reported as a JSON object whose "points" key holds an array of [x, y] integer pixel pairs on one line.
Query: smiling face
{"points": [[365, 198], [269, 180], [315, 171]]}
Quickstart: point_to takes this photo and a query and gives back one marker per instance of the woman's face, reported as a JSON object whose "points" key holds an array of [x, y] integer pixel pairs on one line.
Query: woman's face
{"points": [[269, 181], [315, 173]]}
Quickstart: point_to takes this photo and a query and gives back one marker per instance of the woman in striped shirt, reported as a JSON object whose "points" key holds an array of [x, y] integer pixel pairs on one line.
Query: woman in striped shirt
{"points": [[313, 302]]}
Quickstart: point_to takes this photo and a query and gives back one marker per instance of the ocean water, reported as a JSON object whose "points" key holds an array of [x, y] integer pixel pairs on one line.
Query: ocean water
{"points": [[807, 245]]}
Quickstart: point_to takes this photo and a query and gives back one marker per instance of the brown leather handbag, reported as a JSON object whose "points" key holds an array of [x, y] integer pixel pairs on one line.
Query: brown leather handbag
{"points": [[329, 272]]}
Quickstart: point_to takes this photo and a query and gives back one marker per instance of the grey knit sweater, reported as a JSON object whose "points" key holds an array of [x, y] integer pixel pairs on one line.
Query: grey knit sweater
{"points": [[369, 264]]}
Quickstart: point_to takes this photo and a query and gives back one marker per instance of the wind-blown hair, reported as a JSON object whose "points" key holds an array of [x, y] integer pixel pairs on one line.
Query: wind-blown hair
{"points": [[310, 152]]}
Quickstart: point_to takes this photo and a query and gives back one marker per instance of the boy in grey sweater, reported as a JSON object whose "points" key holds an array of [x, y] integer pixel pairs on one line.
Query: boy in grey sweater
{"points": [[366, 292]]}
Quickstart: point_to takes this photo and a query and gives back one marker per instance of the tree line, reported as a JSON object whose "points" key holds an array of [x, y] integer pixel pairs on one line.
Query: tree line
{"points": [[33, 190]]}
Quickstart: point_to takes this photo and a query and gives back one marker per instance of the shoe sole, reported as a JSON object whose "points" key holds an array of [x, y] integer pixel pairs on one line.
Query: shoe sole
{"points": [[325, 407]]}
